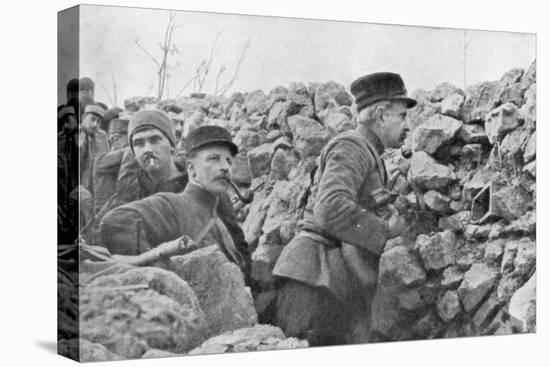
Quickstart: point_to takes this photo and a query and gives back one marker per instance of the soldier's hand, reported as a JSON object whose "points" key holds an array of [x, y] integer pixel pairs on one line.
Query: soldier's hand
{"points": [[397, 225]]}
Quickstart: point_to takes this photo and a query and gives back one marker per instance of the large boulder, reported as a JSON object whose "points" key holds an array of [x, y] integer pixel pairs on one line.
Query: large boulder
{"points": [[219, 286], [399, 268], [246, 140], [452, 105], [528, 112], [259, 159], [256, 338], [523, 307], [437, 202], [434, 133], [309, 135], [480, 100], [425, 172], [512, 202], [500, 121], [240, 170], [530, 149], [438, 251], [448, 306], [477, 283], [278, 114], [141, 308]]}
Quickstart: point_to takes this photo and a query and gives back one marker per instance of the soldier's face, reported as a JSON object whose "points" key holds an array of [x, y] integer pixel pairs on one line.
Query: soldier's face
{"points": [[395, 125], [211, 168], [69, 123], [153, 151], [118, 140], [90, 123]]}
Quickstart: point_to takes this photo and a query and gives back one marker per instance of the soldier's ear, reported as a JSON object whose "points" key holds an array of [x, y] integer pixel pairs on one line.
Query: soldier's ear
{"points": [[190, 167], [379, 113]]}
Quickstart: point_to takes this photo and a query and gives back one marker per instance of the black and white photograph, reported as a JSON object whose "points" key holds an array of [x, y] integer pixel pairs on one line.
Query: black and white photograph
{"points": [[274, 183], [236, 183]]}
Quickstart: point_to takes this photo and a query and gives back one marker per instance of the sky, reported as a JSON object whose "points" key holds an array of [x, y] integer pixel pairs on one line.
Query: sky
{"points": [[282, 51]]}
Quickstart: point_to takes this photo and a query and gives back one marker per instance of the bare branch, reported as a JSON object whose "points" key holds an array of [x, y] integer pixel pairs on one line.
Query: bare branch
{"points": [[228, 85], [147, 53]]}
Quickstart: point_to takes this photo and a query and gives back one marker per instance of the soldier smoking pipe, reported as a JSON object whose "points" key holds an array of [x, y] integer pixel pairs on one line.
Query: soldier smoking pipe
{"points": [[245, 197]]}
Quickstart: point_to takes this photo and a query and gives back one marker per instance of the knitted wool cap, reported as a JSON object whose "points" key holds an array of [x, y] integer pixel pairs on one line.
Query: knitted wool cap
{"points": [[152, 118]]}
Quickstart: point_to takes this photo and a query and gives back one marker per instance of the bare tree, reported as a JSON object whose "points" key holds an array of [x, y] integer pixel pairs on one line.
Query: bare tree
{"points": [[464, 43], [203, 70], [221, 91], [168, 49]]}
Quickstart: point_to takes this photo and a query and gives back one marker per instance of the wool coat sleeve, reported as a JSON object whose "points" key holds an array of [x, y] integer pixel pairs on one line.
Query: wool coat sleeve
{"points": [[127, 186], [139, 226], [346, 167]]}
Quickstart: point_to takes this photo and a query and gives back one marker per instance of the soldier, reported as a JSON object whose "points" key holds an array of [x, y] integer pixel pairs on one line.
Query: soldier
{"points": [[91, 141], [328, 272], [107, 164], [134, 228]]}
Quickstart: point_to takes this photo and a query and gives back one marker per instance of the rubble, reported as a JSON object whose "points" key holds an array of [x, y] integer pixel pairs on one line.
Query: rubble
{"points": [[257, 338], [466, 267]]}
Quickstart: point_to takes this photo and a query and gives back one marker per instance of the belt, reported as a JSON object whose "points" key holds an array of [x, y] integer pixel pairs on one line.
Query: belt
{"points": [[327, 242]]}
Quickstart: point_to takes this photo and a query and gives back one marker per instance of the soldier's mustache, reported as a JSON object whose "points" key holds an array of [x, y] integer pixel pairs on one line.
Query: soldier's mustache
{"points": [[148, 156], [223, 176]]}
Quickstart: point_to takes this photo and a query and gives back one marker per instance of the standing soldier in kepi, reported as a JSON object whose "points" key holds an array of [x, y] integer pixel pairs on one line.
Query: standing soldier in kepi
{"points": [[328, 272]]}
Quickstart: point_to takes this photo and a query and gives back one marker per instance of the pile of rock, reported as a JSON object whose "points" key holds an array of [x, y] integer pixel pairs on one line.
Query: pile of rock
{"points": [[471, 270], [466, 267], [166, 309]]}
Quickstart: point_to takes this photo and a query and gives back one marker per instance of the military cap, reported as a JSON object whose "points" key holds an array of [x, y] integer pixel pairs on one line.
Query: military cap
{"points": [[210, 135], [86, 84], [110, 114], [377, 87], [118, 125], [152, 119], [67, 110], [93, 108], [72, 86]]}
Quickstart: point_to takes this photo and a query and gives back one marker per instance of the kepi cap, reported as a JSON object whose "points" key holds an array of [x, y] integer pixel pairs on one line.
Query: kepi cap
{"points": [[92, 108], [210, 135], [67, 110], [377, 87]]}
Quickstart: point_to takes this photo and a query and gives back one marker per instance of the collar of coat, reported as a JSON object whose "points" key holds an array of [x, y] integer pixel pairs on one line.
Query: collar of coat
{"points": [[205, 198], [375, 140]]}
